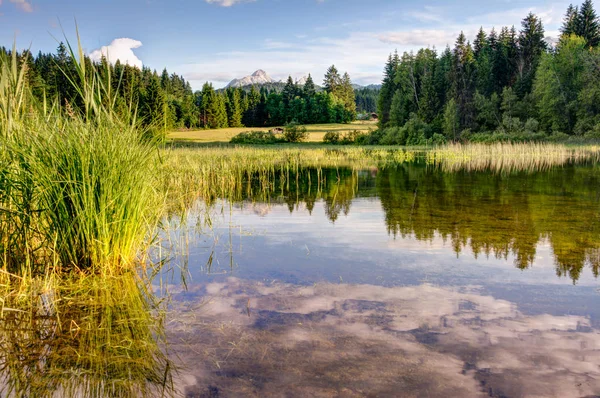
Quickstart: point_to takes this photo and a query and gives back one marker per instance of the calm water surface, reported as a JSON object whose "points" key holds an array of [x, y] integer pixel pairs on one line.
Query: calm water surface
{"points": [[406, 281]]}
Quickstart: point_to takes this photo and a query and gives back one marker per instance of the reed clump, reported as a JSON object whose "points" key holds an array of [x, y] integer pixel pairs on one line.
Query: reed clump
{"points": [[509, 157], [79, 207]]}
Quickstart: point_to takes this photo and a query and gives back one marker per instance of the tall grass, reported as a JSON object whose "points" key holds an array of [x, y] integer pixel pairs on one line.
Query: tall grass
{"points": [[224, 172], [79, 206], [509, 157]]}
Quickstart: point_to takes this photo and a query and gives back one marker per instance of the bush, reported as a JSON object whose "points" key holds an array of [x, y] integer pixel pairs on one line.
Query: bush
{"points": [[373, 137], [351, 137], [332, 137], [294, 132], [437, 139], [256, 138], [416, 131], [393, 136]]}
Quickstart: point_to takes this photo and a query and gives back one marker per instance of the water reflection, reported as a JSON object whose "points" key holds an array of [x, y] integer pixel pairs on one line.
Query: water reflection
{"points": [[259, 339], [491, 214], [81, 336]]}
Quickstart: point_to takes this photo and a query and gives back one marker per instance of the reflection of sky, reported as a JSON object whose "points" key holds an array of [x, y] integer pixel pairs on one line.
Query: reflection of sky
{"points": [[263, 242], [423, 340]]}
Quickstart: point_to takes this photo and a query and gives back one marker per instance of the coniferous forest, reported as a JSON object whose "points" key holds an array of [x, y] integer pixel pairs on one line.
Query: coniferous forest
{"points": [[508, 83], [167, 101]]}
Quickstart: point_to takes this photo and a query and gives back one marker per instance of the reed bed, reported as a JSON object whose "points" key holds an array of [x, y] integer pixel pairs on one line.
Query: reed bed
{"points": [[80, 203], [226, 172], [509, 157]]}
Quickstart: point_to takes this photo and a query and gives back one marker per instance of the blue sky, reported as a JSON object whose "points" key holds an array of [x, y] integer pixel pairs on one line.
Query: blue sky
{"points": [[218, 40]]}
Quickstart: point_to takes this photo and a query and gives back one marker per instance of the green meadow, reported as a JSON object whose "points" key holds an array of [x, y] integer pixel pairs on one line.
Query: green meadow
{"points": [[316, 132]]}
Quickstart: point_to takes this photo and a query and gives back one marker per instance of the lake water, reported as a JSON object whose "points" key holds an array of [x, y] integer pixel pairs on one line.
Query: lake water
{"points": [[404, 281]]}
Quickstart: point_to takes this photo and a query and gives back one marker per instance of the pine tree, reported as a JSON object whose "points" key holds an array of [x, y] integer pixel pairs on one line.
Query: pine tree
{"points": [[588, 26], [309, 89], [570, 21], [531, 47], [332, 80]]}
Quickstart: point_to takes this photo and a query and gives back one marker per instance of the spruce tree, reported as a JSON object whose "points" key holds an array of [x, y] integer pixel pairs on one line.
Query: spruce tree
{"points": [[309, 89], [388, 89], [570, 21], [289, 91], [587, 24], [480, 43], [464, 80], [332, 80], [348, 97], [531, 47]]}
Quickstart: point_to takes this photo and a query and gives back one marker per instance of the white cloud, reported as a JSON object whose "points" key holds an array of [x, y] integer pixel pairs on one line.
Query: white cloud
{"points": [[361, 53], [120, 49], [227, 3], [22, 5]]}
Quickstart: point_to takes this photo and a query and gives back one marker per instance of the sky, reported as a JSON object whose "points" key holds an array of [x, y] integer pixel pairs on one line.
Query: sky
{"points": [[219, 40]]}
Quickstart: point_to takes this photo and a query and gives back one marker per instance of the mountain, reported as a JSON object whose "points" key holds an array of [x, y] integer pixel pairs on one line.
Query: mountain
{"points": [[302, 81], [257, 78]]}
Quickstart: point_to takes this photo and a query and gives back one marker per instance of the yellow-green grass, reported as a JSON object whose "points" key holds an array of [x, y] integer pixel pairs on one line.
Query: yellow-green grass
{"points": [[315, 132]]}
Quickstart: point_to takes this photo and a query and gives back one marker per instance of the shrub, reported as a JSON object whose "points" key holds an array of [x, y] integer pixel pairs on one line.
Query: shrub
{"points": [[532, 126], [437, 139], [332, 137], [351, 137], [394, 136], [256, 138], [294, 132], [416, 131]]}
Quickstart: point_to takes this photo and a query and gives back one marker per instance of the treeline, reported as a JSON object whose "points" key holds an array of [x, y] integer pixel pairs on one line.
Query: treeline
{"points": [[166, 101], [237, 107], [505, 85], [366, 99]]}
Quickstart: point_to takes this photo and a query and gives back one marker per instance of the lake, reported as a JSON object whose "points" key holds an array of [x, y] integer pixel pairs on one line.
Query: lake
{"points": [[409, 280]]}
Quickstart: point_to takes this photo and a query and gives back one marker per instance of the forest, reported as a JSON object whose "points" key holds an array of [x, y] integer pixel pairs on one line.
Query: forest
{"points": [[166, 101], [236, 107], [505, 85]]}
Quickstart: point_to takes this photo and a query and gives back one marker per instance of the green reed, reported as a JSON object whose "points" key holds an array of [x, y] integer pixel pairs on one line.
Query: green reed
{"points": [[80, 203], [508, 157], [225, 172]]}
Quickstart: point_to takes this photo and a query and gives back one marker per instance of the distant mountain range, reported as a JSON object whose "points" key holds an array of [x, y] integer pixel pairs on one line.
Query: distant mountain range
{"points": [[260, 78]]}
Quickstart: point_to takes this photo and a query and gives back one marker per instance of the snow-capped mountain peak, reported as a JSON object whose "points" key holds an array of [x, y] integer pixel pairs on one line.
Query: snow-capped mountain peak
{"points": [[258, 77]]}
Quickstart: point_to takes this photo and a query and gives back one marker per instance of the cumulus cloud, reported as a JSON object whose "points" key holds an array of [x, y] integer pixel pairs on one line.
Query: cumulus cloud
{"points": [[362, 53], [120, 49], [446, 341], [227, 3], [22, 5]]}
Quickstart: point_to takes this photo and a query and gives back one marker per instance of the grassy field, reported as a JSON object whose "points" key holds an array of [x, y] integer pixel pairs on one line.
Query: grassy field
{"points": [[316, 132]]}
